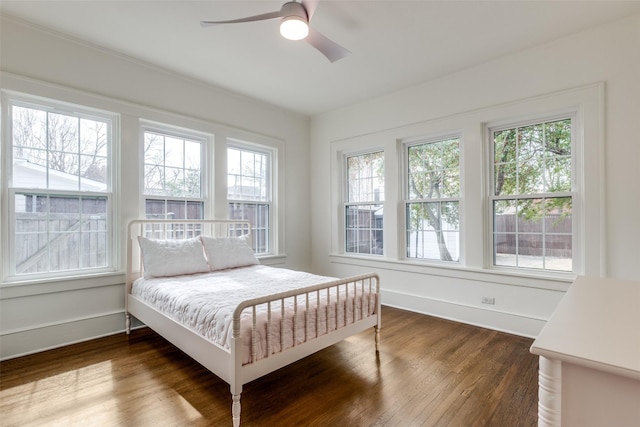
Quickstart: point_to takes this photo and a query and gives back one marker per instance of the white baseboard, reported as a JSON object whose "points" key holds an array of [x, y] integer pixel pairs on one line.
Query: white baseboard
{"points": [[511, 323]]}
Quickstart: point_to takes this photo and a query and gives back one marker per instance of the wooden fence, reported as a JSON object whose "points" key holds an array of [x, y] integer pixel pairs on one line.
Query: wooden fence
{"points": [[59, 242], [529, 237]]}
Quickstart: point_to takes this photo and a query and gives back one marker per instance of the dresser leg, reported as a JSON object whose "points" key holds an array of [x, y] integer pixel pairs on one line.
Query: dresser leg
{"points": [[549, 393]]}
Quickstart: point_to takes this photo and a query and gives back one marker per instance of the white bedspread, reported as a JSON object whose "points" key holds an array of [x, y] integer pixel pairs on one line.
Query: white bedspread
{"points": [[205, 303]]}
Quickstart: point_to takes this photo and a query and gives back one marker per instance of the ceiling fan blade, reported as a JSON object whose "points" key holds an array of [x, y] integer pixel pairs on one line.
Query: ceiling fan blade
{"points": [[327, 47], [310, 7], [262, 17]]}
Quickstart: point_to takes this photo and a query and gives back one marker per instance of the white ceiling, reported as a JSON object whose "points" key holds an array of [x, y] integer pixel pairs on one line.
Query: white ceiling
{"points": [[395, 44]]}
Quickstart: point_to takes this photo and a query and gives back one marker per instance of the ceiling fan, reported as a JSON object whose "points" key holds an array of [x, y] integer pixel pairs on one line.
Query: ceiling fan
{"points": [[294, 25]]}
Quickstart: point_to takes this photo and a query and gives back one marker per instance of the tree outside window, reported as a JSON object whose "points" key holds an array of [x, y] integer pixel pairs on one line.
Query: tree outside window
{"points": [[172, 176], [532, 196], [433, 206], [364, 207]]}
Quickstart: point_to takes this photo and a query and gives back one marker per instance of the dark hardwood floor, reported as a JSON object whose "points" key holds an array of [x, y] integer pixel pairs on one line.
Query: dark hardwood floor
{"points": [[429, 372]]}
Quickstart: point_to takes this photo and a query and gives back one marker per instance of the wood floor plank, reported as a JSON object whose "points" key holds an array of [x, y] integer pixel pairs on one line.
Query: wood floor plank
{"points": [[429, 372]]}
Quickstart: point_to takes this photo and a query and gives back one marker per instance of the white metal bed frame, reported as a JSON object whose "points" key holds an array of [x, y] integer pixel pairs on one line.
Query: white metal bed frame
{"points": [[227, 363]]}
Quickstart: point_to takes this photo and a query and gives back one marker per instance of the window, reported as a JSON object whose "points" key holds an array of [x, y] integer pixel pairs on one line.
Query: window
{"points": [[60, 190], [364, 203], [249, 191], [432, 205], [531, 195], [173, 175]]}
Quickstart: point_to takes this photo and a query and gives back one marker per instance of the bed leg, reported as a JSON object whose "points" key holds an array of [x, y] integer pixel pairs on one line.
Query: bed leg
{"points": [[377, 338], [235, 409], [127, 323]]}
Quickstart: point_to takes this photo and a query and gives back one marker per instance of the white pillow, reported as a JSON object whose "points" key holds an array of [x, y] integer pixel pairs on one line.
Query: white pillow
{"points": [[228, 252], [172, 257]]}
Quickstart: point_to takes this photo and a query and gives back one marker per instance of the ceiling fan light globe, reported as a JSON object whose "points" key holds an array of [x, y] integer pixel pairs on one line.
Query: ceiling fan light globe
{"points": [[294, 28]]}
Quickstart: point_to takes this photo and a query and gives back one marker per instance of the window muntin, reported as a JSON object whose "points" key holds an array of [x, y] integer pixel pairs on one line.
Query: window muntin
{"points": [[532, 196], [364, 206], [173, 175], [60, 190], [59, 150], [249, 192], [432, 207]]}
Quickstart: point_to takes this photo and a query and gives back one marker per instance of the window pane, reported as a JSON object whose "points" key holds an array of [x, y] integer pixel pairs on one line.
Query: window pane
{"points": [[172, 166], [58, 151], [258, 216], [558, 174], [93, 172], [505, 146], [173, 209], [364, 232], [433, 231], [505, 179], [56, 233], [248, 175], [558, 138], [365, 175], [503, 212], [536, 234]]}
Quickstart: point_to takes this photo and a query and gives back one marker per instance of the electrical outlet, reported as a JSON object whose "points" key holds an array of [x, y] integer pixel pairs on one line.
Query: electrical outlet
{"points": [[488, 300]]}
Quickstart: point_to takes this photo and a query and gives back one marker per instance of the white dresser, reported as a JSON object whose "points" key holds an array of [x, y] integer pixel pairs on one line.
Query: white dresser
{"points": [[590, 357]]}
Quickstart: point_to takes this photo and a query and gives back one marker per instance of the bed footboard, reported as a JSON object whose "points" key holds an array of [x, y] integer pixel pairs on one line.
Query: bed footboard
{"points": [[305, 314], [316, 317]]}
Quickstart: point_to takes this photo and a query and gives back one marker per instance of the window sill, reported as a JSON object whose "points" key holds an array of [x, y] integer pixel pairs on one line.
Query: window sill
{"points": [[531, 279]]}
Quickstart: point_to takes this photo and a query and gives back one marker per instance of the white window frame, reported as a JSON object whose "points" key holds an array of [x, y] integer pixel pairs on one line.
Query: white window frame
{"points": [[179, 133], [346, 203], [10, 99], [272, 191], [573, 194], [406, 145], [589, 252]]}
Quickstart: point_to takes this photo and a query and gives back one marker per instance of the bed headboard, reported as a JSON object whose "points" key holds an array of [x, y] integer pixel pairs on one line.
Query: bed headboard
{"points": [[175, 229]]}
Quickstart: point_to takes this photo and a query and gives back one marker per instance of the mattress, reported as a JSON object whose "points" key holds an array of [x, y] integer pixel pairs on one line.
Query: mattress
{"points": [[205, 304]]}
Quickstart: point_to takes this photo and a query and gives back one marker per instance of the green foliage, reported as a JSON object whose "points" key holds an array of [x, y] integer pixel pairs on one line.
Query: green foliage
{"points": [[434, 174], [531, 160]]}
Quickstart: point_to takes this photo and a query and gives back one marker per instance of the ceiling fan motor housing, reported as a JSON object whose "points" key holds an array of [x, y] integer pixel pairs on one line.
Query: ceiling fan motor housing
{"points": [[294, 9]]}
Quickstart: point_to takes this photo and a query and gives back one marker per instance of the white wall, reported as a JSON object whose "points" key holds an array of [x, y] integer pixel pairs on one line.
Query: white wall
{"points": [[608, 54], [36, 316]]}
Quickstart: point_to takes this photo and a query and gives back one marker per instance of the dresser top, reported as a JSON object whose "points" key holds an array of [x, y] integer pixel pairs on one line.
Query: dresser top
{"points": [[597, 325]]}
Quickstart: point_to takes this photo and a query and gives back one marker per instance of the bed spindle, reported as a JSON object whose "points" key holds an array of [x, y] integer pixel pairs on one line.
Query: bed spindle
{"points": [[295, 319], [355, 297], [254, 335], [306, 318], [268, 329], [282, 324], [346, 291], [326, 319], [364, 293], [317, 313]]}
